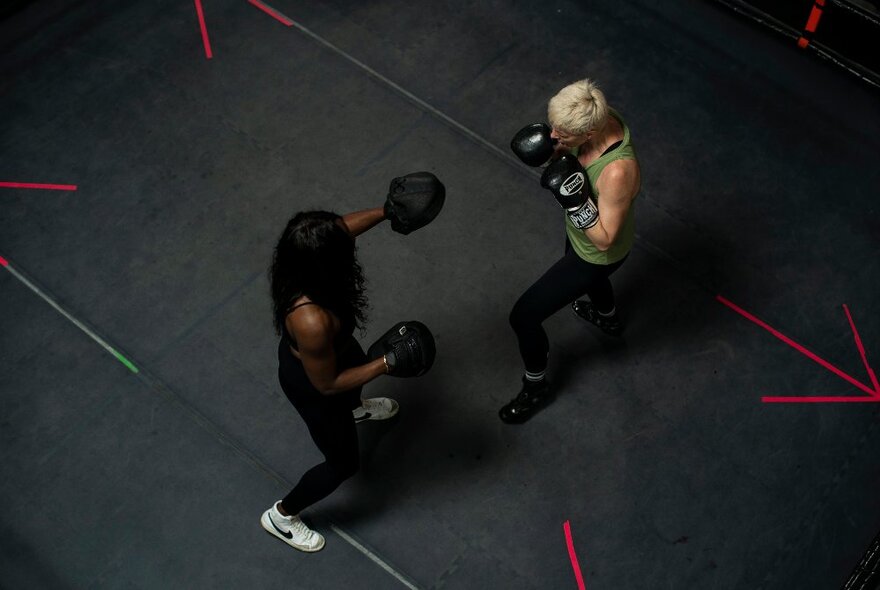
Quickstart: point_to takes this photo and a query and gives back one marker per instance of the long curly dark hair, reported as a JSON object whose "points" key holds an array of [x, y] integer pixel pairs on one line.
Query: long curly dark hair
{"points": [[316, 256]]}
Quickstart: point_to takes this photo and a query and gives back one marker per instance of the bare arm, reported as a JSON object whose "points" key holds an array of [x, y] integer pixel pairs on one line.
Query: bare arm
{"points": [[360, 221], [313, 329], [617, 186]]}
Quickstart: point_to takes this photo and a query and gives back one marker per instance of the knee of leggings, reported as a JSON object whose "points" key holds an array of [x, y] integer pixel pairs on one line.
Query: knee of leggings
{"points": [[520, 319], [346, 467]]}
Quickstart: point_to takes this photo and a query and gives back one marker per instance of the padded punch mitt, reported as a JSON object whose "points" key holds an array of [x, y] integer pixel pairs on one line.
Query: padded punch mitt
{"points": [[408, 348], [414, 201]]}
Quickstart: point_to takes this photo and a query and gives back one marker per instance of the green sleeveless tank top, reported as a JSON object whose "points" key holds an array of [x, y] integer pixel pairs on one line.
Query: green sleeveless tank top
{"points": [[582, 245]]}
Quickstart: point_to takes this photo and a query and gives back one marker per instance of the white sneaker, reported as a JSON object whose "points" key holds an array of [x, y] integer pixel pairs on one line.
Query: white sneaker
{"points": [[291, 530], [375, 408]]}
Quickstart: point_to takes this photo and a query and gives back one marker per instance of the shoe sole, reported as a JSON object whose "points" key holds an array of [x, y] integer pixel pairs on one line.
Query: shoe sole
{"points": [[376, 418], [547, 400], [604, 331], [267, 526]]}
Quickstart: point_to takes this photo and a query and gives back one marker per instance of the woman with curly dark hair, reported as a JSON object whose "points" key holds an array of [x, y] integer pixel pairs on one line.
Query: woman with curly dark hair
{"points": [[318, 300]]}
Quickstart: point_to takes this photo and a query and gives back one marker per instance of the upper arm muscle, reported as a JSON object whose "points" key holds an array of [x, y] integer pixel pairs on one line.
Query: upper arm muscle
{"points": [[314, 332], [617, 187]]}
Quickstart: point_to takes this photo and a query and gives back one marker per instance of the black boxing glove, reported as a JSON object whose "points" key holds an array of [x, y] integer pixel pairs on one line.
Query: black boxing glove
{"points": [[414, 201], [565, 178], [533, 145], [408, 348]]}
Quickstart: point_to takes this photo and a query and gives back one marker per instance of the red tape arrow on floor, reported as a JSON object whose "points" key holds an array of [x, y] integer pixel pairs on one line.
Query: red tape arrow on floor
{"points": [[874, 394]]}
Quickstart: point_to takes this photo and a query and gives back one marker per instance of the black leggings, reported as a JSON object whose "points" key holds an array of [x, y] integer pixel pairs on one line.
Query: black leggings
{"points": [[569, 278], [331, 425]]}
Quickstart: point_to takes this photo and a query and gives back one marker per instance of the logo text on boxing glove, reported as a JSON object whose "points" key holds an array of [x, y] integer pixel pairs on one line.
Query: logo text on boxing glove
{"points": [[573, 184]]}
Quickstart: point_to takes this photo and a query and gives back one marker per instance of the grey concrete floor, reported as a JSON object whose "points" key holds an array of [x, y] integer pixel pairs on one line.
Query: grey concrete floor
{"points": [[760, 183]]}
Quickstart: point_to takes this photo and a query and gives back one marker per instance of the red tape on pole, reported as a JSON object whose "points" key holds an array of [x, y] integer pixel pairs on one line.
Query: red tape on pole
{"points": [[812, 23]]}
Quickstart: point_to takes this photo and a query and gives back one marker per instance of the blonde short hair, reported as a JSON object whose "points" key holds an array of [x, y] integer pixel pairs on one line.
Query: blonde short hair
{"points": [[578, 108]]}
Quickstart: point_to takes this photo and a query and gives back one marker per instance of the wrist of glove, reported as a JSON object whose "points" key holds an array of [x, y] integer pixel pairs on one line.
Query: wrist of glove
{"points": [[565, 178], [585, 216], [407, 348]]}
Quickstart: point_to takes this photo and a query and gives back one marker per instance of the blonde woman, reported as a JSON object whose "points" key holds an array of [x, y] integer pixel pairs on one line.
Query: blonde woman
{"points": [[594, 175]]}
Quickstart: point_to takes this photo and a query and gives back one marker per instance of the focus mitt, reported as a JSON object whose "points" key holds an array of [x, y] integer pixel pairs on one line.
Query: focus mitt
{"points": [[408, 348], [414, 201]]}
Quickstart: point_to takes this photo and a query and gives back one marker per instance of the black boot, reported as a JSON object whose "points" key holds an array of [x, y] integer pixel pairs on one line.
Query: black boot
{"points": [[533, 396], [611, 325]]}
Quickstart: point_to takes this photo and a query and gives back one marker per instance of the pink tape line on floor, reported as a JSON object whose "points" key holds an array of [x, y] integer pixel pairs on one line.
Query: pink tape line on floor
{"points": [[272, 12], [861, 348], [820, 399], [35, 185], [205, 40], [571, 555]]}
